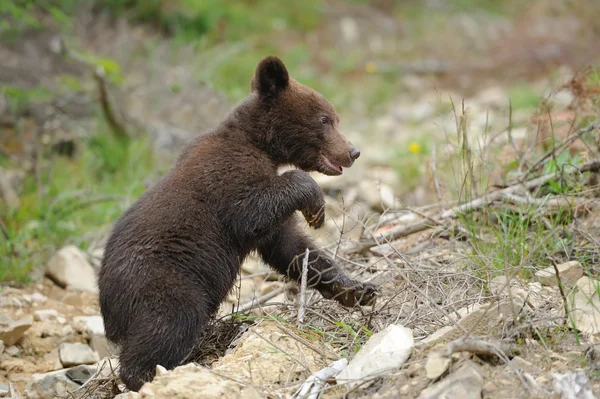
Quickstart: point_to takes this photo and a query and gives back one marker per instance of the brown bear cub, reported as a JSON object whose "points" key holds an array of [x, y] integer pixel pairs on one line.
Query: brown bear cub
{"points": [[174, 255]]}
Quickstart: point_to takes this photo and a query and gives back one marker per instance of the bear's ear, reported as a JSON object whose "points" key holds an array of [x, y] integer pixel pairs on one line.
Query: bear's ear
{"points": [[270, 77]]}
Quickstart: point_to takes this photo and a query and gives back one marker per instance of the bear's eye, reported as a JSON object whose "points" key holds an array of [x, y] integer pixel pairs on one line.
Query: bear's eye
{"points": [[324, 120]]}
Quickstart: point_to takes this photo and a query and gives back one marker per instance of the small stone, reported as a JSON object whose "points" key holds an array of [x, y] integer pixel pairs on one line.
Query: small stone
{"points": [[45, 315], [94, 326], [4, 390], [569, 273], [12, 350], [12, 331], [388, 349], [128, 395], [1, 346], [76, 354], [437, 364], [586, 309], [501, 284], [70, 268], [80, 374], [489, 387]]}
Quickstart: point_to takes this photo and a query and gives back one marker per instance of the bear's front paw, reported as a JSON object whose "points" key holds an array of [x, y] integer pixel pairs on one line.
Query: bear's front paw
{"points": [[315, 220], [351, 293]]}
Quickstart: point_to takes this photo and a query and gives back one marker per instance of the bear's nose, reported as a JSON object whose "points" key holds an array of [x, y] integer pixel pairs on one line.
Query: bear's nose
{"points": [[354, 153]]}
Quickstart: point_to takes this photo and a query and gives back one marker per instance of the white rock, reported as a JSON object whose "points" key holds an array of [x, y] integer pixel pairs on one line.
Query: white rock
{"points": [[70, 268], [437, 363], [45, 315], [386, 350], [586, 306], [573, 386], [12, 331], [76, 354], [569, 273]]}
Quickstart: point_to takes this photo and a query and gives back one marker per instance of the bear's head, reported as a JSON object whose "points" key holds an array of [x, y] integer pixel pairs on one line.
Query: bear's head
{"points": [[296, 124]]}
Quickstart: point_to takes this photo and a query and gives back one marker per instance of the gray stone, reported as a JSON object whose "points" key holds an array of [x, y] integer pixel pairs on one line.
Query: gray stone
{"points": [[1, 346], [4, 390], [569, 273], [80, 374], [70, 268], [94, 326], [465, 383], [12, 350], [50, 385], [12, 331], [76, 354]]}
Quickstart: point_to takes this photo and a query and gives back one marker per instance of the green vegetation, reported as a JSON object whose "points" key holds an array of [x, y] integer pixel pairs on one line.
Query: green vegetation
{"points": [[72, 199]]}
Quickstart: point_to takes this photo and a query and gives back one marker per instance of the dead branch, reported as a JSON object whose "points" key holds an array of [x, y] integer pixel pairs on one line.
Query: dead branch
{"points": [[302, 307], [256, 301], [478, 203], [480, 347]]}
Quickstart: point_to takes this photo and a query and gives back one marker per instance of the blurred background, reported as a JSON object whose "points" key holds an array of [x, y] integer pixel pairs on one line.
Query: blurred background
{"points": [[98, 96]]}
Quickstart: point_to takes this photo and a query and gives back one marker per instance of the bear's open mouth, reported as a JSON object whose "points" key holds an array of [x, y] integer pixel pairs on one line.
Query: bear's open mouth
{"points": [[332, 169]]}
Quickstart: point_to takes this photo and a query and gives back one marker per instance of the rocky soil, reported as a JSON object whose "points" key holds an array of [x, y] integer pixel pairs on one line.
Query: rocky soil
{"points": [[444, 326]]}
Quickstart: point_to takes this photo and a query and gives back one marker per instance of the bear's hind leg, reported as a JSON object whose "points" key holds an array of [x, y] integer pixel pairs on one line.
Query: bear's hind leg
{"points": [[158, 339]]}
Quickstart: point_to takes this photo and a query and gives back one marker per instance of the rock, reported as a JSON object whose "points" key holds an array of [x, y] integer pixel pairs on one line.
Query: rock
{"points": [[52, 361], [50, 385], [94, 326], [4, 390], [569, 273], [465, 383], [12, 331], [128, 395], [573, 386], [386, 350], [184, 382], [524, 366], [70, 268], [501, 284], [45, 315], [479, 322], [76, 354], [12, 350], [586, 306], [81, 373], [437, 363], [1, 347]]}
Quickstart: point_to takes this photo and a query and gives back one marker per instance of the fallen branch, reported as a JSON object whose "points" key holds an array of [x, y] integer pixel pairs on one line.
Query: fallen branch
{"points": [[302, 307], [255, 302], [480, 347], [478, 203]]}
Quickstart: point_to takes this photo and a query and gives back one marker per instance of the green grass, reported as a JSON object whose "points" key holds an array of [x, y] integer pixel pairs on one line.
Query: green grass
{"points": [[73, 198]]}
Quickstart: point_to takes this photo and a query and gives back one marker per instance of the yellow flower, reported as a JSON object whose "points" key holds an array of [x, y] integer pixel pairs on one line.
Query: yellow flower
{"points": [[370, 67], [414, 147]]}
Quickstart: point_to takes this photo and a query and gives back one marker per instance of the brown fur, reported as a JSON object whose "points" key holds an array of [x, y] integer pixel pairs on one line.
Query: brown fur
{"points": [[174, 255]]}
